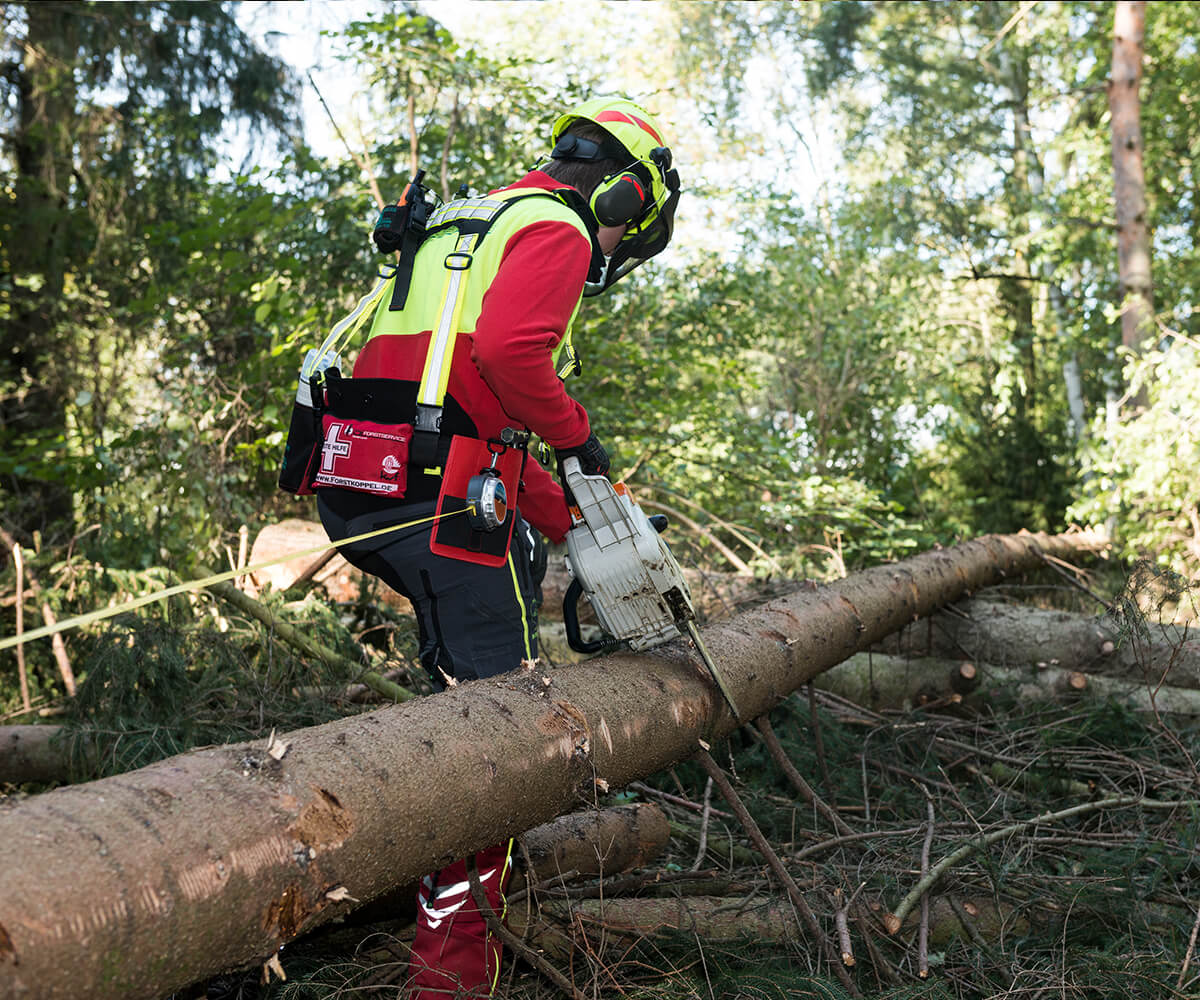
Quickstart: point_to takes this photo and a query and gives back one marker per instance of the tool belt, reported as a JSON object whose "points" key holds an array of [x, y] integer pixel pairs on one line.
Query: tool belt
{"points": [[359, 435]]}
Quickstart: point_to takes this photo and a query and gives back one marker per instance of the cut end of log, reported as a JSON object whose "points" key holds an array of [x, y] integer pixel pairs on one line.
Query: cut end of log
{"points": [[964, 678], [891, 923]]}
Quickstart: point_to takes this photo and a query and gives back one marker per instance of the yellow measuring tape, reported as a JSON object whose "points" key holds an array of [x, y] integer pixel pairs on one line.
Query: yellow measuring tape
{"points": [[183, 588]]}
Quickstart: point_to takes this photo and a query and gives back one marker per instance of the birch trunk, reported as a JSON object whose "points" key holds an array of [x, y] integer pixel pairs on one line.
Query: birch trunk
{"points": [[143, 883]]}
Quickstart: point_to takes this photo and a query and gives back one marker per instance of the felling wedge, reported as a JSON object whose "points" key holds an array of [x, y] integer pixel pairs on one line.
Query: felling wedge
{"points": [[618, 559]]}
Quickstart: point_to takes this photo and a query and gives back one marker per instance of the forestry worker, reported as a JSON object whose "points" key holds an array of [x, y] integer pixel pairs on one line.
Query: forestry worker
{"points": [[473, 340]]}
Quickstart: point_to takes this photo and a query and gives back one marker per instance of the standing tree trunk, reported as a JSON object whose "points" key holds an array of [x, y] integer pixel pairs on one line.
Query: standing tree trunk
{"points": [[143, 883], [1133, 236], [36, 248]]}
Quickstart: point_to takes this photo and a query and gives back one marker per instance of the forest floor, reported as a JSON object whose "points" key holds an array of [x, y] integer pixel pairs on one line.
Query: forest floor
{"points": [[1056, 840]]}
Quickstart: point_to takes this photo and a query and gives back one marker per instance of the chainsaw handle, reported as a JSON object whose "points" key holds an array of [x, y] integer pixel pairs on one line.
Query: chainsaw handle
{"points": [[571, 620]]}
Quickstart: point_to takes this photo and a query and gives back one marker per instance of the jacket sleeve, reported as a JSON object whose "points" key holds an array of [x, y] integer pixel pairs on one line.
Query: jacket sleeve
{"points": [[542, 502], [524, 316]]}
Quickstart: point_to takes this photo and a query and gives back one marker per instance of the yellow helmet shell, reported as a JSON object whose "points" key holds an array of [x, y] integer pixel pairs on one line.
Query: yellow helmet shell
{"points": [[630, 124]]}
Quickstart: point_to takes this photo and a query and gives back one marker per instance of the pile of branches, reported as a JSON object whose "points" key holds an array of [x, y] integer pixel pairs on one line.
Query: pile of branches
{"points": [[1041, 850]]}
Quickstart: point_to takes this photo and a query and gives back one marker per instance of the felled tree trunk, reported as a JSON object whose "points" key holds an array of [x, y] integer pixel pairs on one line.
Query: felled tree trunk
{"points": [[598, 841], [592, 842], [1015, 636], [42, 754], [341, 580], [881, 682], [146, 882], [624, 921]]}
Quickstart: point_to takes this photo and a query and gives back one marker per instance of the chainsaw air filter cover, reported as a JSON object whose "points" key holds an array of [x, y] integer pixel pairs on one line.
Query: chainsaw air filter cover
{"points": [[627, 572]]}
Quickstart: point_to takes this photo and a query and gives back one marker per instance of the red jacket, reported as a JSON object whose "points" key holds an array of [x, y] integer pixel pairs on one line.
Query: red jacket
{"points": [[504, 374]]}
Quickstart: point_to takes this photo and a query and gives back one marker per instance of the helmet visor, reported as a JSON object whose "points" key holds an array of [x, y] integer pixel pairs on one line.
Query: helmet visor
{"points": [[643, 241]]}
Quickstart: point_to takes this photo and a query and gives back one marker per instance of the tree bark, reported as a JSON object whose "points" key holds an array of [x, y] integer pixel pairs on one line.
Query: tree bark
{"points": [[598, 842], [143, 883], [882, 682], [42, 754], [1133, 234], [985, 631], [621, 922], [294, 534]]}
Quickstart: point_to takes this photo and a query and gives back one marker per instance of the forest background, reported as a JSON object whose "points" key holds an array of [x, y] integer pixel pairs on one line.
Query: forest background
{"points": [[891, 318]]}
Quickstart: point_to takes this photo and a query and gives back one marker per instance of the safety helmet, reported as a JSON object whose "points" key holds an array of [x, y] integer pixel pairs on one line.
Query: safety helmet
{"points": [[642, 195]]}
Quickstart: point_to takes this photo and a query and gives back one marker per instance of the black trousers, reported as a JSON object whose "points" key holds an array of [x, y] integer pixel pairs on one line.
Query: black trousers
{"points": [[473, 621]]}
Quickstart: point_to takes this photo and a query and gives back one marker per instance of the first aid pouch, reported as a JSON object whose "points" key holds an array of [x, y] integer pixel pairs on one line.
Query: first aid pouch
{"points": [[364, 456]]}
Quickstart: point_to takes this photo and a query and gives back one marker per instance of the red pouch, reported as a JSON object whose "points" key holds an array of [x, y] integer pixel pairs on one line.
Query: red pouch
{"points": [[364, 456], [452, 536]]}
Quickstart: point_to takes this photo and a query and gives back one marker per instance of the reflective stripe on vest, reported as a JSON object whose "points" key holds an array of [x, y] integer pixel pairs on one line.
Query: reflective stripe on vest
{"points": [[436, 375], [470, 220], [346, 327]]}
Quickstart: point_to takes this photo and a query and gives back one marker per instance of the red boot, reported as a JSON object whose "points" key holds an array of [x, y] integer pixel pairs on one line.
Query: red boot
{"points": [[454, 954]]}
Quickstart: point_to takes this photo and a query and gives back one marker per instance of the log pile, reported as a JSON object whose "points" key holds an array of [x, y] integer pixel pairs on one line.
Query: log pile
{"points": [[318, 818]]}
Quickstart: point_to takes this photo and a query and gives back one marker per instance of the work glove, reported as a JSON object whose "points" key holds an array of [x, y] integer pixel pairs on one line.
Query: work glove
{"points": [[593, 461]]}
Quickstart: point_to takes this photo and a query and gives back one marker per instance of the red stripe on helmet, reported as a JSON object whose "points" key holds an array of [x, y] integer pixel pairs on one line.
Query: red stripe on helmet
{"points": [[622, 116]]}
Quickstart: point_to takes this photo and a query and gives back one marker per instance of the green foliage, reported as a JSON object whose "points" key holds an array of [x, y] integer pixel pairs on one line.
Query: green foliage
{"points": [[467, 116], [982, 130], [863, 376], [115, 112], [1141, 474], [153, 688]]}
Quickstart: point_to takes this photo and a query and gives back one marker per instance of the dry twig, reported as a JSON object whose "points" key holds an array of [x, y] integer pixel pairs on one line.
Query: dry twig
{"points": [[895, 919], [511, 940], [923, 934], [703, 847], [797, 779], [781, 873]]}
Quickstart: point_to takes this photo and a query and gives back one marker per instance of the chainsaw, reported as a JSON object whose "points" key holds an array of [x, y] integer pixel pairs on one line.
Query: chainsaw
{"points": [[619, 561]]}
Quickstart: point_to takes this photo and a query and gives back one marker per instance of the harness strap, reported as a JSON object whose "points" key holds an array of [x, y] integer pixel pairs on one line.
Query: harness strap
{"points": [[435, 378], [346, 327], [473, 218], [404, 269]]}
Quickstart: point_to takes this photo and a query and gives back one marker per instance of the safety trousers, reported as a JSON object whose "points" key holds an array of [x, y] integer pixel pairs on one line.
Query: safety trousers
{"points": [[474, 621], [455, 954]]}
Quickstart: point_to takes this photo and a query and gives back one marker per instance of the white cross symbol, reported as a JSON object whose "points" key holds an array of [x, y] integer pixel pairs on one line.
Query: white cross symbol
{"points": [[335, 447]]}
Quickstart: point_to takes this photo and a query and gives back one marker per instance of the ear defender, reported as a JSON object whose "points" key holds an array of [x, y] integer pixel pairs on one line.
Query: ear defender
{"points": [[619, 199]]}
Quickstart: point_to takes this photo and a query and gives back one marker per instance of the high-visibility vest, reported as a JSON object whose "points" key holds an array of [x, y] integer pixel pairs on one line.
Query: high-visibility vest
{"points": [[454, 267]]}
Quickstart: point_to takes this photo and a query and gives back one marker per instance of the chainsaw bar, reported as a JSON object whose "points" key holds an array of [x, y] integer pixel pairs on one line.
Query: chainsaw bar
{"points": [[694, 633]]}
